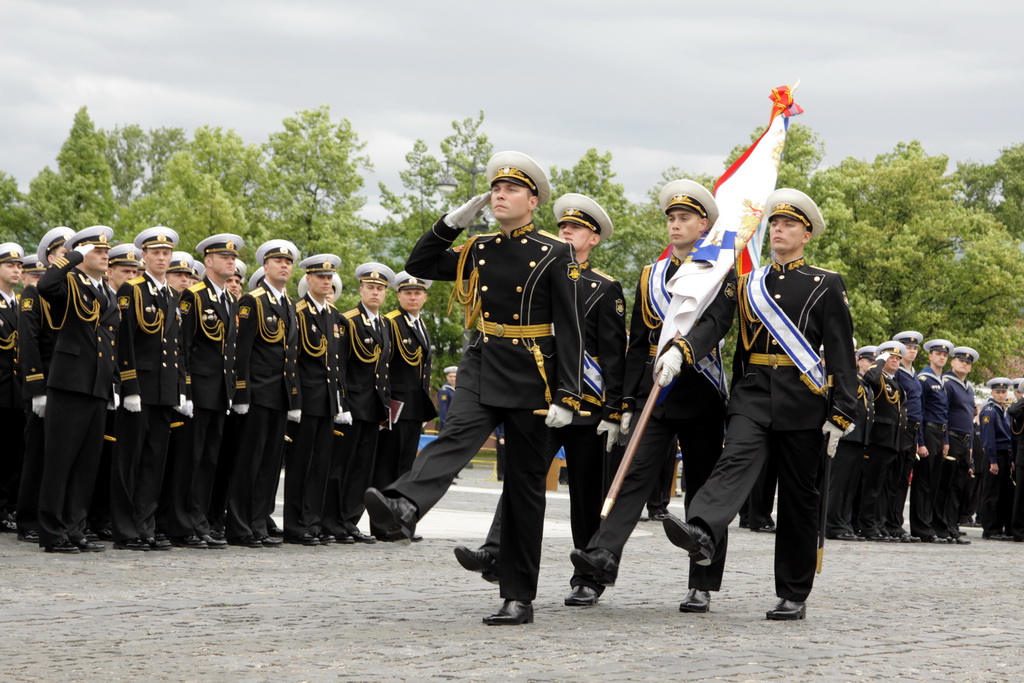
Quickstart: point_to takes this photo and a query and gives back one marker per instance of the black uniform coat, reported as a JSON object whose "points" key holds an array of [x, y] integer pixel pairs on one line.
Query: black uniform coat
{"points": [[208, 333], [604, 337], [36, 339], [507, 372], [367, 387], [815, 300], [319, 361], [267, 352], [10, 386], [410, 368], [149, 342], [84, 359], [890, 413]]}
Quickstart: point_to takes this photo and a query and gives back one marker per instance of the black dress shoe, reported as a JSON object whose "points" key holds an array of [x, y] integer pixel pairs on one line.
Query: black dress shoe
{"points": [[960, 540], [659, 516], [599, 564], [359, 537], [246, 542], [696, 601], [90, 535], [907, 538], [397, 516], [157, 544], [9, 524], [193, 542], [304, 539], [326, 539], [479, 561], [416, 538], [63, 548], [271, 542], [880, 538], [690, 538], [30, 536], [582, 596], [766, 529], [787, 610], [105, 534], [848, 537], [345, 539], [275, 531], [87, 546], [512, 613], [214, 543], [131, 544], [217, 534]]}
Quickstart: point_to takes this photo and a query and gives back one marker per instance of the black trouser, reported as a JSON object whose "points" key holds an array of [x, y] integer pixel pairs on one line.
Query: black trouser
{"points": [[12, 426], [358, 453], [1017, 513], [584, 456], [307, 462], [197, 445], [701, 440], [396, 451], [761, 500], [99, 504], [996, 505], [74, 439], [257, 470], [660, 495], [922, 491], [219, 478], [955, 471], [873, 503], [846, 472], [137, 470], [797, 455], [898, 481], [31, 472], [468, 425]]}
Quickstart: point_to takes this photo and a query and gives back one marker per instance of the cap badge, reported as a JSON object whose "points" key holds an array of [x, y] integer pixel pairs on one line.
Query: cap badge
{"points": [[230, 244]]}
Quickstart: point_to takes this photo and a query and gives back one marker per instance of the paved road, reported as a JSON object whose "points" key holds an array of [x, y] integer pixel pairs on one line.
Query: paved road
{"points": [[386, 612]]}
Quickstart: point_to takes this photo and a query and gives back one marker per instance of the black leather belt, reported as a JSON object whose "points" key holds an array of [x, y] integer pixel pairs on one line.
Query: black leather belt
{"points": [[936, 425], [966, 438]]}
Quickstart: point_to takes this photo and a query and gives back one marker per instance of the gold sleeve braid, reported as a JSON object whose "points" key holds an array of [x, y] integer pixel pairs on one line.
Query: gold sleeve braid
{"points": [[465, 291], [747, 316], [314, 350], [154, 326], [362, 354]]}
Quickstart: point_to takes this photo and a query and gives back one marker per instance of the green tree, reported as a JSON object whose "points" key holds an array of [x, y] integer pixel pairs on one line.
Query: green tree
{"points": [[16, 221], [997, 188], [137, 159], [81, 193]]}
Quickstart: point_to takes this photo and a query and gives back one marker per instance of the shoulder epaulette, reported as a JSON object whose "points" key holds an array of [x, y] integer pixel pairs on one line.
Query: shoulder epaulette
{"points": [[392, 315], [258, 292], [603, 274], [348, 315], [552, 236], [137, 280], [488, 234], [197, 287], [301, 306], [824, 270]]}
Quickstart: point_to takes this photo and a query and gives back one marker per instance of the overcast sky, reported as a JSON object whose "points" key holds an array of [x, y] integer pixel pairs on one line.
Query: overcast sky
{"points": [[656, 83]]}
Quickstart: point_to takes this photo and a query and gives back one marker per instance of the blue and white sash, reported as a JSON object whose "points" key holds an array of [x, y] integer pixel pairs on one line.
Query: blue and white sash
{"points": [[657, 288], [711, 367], [592, 376], [790, 338]]}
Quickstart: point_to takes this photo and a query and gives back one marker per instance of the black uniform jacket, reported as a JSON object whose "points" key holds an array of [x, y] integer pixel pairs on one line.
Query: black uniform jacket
{"points": [[321, 335], [208, 332], [890, 410], [814, 299], [410, 369], [526, 278], [367, 385], [85, 355], [36, 339], [149, 342], [10, 384], [604, 310], [692, 394], [266, 355], [865, 418]]}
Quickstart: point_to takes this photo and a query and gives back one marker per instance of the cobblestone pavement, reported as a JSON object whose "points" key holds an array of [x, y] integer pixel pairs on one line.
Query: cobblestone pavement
{"points": [[387, 612]]}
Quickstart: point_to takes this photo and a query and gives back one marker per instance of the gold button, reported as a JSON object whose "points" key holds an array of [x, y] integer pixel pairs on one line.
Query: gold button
{"points": [[484, 288], [164, 364], [486, 314], [482, 261], [778, 296], [515, 316], [486, 339], [519, 289], [497, 240], [515, 341], [774, 342], [499, 330], [100, 354], [544, 248], [533, 263], [524, 240], [479, 246], [593, 284], [816, 278], [782, 277]]}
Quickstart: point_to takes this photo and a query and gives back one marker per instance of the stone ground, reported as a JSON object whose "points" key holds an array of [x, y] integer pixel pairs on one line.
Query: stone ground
{"points": [[388, 612]]}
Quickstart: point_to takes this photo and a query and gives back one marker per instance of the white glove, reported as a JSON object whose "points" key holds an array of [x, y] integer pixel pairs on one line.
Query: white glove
{"points": [[611, 433], [185, 406], [84, 249], [466, 215], [625, 426], [883, 357], [295, 415], [343, 418], [115, 402], [39, 405], [133, 403], [833, 434], [240, 408], [668, 365], [558, 416]]}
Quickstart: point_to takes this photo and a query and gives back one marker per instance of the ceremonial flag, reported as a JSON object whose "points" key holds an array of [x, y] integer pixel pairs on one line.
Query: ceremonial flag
{"points": [[737, 235]]}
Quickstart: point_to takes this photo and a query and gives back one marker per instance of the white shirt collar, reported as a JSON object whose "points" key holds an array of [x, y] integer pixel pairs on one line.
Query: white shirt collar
{"points": [[277, 295]]}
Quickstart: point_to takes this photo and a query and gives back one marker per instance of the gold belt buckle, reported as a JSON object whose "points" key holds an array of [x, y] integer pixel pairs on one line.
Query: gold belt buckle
{"points": [[773, 361], [499, 330]]}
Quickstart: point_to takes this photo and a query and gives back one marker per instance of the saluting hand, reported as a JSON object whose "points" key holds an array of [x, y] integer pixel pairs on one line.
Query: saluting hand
{"points": [[467, 214]]}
